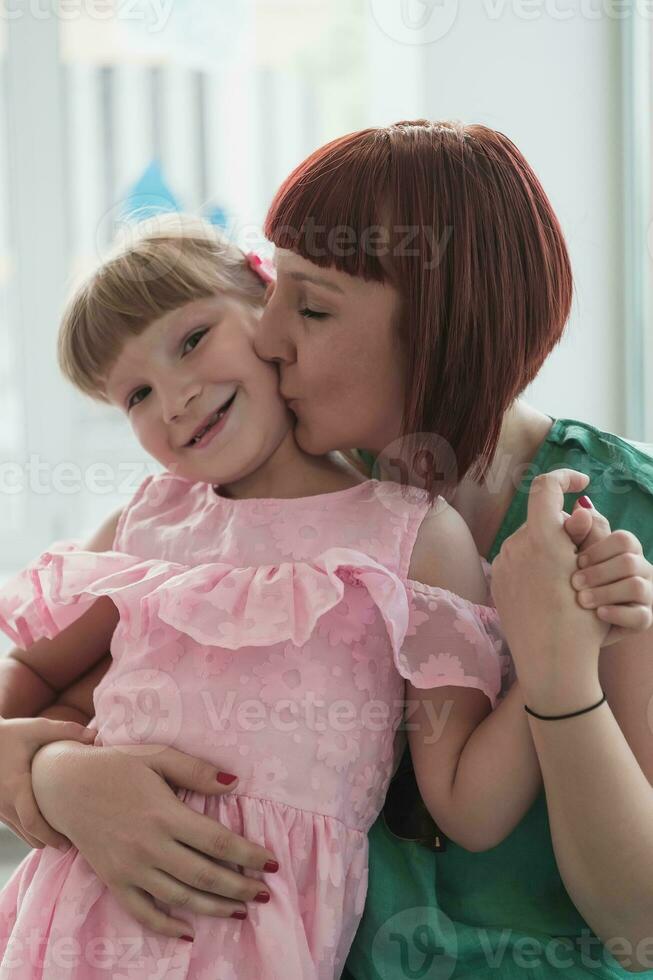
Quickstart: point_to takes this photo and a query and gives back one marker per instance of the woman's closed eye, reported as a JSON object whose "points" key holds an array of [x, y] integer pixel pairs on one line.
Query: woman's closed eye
{"points": [[310, 314]]}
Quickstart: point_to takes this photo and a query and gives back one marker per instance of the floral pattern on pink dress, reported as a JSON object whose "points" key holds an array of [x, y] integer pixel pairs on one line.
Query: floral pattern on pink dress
{"points": [[271, 638]]}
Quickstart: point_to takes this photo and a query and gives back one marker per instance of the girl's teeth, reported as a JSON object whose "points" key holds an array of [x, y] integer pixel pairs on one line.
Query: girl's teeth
{"points": [[209, 426]]}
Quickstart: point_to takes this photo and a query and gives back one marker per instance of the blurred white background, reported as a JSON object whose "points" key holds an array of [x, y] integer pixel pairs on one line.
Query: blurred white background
{"points": [[209, 105]]}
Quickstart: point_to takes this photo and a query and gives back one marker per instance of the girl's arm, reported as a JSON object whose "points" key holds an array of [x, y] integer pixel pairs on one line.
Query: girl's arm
{"points": [[76, 702], [31, 680], [487, 772], [476, 769]]}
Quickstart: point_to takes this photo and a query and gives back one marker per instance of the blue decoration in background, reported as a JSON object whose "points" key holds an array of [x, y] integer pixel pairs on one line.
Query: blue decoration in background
{"points": [[152, 195], [216, 215]]}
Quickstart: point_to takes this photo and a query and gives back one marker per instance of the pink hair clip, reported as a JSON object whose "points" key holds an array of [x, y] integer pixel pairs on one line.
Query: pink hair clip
{"points": [[262, 267]]}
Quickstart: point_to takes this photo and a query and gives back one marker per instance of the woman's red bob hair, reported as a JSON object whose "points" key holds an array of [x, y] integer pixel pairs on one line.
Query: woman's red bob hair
{"points": [[453, 216]]}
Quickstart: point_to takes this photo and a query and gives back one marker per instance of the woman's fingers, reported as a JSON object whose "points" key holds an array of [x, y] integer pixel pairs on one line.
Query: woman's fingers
{"points": [[623, 566], [52, 730], [636, 590], [203, 833], [32, 823], [171, 891], [190, 772], [141, 905], [617, 543], [214, 840], [546, 496], [205, 875]]}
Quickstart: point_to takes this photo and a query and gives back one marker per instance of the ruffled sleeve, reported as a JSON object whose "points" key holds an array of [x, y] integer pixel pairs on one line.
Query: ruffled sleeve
{"points": [[65, 581], [451, 641], [215, 603]]}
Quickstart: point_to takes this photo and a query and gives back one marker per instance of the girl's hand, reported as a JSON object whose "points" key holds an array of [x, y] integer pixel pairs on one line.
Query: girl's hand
{"points": [[20, 739], [613, 577], [143, 842], [553, 640]]}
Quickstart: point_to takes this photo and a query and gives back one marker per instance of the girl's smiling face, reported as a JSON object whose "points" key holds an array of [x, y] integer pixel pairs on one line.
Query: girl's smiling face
{"points": [[341, 366], [172, 378]]}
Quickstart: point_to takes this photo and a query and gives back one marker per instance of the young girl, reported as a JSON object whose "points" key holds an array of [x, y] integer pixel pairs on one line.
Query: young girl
{"points": [[260, 602]]}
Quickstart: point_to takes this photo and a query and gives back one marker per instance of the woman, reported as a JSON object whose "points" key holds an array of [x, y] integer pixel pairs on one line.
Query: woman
{"points": [[422, 279]]}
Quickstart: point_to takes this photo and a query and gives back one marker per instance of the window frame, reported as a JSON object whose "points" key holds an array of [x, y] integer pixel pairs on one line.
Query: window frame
{"points": [[637, 115], [36, 132]]}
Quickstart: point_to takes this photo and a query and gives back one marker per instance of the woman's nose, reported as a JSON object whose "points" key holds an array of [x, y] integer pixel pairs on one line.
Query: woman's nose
{"points": [[272, 341]]}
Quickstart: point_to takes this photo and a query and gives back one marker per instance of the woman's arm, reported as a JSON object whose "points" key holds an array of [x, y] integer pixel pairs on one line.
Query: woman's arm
{"points": [[481, 775], [599, 800], [596, 769]]}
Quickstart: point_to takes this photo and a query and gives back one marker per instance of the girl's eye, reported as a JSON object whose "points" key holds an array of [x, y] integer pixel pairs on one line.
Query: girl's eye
{"points": [[131, 402], [309, 314], [198, 333]]}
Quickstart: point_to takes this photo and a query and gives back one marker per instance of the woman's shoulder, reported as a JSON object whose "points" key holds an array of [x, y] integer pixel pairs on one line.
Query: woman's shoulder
{"points": [[606, 446], [620, 471]]}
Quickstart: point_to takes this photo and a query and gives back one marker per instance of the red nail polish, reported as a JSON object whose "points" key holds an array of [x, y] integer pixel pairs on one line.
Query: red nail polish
{"points": [[262, 897], [586, 503], [239, 915], [188, 939], [271, 866], [225, 778]]}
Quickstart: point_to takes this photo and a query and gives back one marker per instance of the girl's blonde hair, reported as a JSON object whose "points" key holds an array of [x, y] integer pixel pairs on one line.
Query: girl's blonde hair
{"points": [[162, 264]]}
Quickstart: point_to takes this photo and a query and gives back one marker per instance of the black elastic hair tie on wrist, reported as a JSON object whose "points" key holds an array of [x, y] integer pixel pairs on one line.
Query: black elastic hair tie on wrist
{"points": [[572, 714]]}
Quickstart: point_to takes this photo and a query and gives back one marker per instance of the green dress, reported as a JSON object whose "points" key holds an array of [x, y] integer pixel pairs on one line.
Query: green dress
{"points": [[502, 913]]}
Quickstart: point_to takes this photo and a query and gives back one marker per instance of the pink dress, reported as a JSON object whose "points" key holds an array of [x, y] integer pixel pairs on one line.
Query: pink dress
{"points": [[271, 638]]}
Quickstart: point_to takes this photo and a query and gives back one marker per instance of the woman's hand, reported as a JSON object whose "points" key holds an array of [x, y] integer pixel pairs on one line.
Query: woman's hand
{"points": [[20, 740], [143, 842], [555, 643]]}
